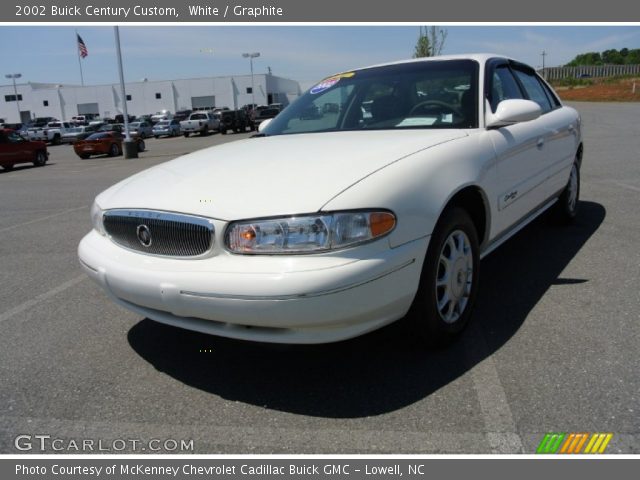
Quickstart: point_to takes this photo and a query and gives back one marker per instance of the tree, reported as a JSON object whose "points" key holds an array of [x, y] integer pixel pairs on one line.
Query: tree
{"points": [[430, 42], [612, 57], [591, 58]]}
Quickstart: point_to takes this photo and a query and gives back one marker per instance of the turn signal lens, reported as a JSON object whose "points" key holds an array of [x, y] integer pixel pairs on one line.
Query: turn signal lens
{"points": [[308, 233], [381, 223]]}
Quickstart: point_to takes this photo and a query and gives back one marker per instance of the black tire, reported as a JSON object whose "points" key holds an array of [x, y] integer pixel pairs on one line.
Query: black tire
{"points": [[141, 146], [156, 136], [56, 140], [84, 156], [427, 316], [223, 131], [41, 159], [186, 134], [566, 208], [8, 167], [114, 150], [204, 131]]}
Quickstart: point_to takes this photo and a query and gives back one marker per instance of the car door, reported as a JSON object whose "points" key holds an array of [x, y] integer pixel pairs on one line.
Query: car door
{"points": [[521, 167], [8, 152]]}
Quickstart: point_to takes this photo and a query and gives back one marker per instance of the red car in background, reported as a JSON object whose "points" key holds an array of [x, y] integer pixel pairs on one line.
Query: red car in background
{"points": [[101, 143], [15, 149]]}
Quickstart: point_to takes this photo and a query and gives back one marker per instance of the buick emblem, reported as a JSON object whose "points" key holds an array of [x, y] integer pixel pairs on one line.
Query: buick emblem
{"points": [[144, 235]]}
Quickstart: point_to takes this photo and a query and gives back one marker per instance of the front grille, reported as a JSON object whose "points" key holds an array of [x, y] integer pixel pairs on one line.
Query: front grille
{"points": [[159, 233]]}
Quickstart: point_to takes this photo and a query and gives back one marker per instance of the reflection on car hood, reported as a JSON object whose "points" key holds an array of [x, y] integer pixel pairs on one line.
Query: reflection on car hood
{"points": [[277, 175]]}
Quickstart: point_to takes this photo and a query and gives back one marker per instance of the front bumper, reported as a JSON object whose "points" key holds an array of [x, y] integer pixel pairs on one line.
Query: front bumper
{"points": [[280, 299]]}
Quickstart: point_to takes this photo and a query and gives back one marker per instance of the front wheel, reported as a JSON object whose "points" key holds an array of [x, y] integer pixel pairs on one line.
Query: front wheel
{"points": [[186, 134], [141, 146], [114, 150], [41, 159], [566, 208], [449, 280]]}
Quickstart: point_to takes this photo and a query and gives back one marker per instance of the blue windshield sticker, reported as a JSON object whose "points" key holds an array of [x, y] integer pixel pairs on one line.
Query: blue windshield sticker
{"points": [[324, 85]]}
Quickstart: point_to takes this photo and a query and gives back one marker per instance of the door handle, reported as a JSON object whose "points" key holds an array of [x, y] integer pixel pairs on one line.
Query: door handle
{"points": [[540, 142]]}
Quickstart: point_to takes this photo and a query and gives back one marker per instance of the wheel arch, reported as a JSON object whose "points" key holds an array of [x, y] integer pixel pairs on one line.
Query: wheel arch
{"points": [[473, 200]]}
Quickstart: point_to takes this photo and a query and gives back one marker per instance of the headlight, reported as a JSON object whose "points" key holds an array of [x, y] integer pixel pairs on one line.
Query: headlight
{"points": [[308, 233], [96, 218]]}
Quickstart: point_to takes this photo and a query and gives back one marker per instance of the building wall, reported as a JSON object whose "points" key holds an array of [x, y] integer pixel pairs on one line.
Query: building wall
{"points": [[62, 100]]}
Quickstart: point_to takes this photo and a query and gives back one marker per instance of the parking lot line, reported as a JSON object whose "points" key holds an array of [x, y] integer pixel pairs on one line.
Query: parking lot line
{"points": [[41, 298], [494, 406], [64, 212]]}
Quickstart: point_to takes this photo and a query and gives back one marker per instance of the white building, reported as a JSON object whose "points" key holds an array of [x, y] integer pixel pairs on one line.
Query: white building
{"points": [[146, 97]]}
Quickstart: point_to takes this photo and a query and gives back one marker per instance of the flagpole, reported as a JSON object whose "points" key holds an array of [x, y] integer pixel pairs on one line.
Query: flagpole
{"points": [[79, 59]]}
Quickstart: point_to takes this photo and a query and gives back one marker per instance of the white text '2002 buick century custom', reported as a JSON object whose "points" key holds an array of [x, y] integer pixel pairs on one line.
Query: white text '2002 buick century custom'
{"points": [[370, 198]]}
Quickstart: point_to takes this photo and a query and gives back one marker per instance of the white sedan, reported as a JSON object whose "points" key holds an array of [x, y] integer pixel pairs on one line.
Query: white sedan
{"points": [[336, 220]]}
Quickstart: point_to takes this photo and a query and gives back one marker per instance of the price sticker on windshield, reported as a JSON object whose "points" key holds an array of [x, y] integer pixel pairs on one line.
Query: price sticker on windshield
{"points": [[327, 83]]}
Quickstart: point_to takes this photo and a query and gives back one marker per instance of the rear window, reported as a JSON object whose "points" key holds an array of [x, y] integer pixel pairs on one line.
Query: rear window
{"points": [[198, 116]]}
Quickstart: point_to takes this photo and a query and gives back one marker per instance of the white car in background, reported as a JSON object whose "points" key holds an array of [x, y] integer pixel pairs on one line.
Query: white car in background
{"points": [[170, 128], [141, 129], [324, 227]]}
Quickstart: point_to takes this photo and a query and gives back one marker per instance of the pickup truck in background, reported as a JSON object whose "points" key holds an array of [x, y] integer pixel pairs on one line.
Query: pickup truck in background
{"points": [[51, 133], [236, 120], [200, 122]]}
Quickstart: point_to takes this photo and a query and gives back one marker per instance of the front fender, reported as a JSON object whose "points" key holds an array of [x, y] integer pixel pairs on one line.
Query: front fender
{"points": [[418, 187]]}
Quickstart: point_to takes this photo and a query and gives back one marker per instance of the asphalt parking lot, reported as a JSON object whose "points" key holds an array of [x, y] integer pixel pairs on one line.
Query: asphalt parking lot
{"points": [[554, 346]]}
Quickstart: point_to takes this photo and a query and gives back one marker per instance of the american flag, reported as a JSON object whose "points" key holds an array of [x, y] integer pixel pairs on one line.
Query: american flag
{"points": [[82, 48]]}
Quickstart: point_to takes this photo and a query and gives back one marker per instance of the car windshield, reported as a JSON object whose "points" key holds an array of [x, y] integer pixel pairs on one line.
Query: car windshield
{"points": [[98, 136], [426, 94]]}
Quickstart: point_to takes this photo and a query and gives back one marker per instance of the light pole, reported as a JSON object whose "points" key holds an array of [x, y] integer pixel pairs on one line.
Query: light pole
{"points": [[130, 147], [251, 56], [13, 77]]}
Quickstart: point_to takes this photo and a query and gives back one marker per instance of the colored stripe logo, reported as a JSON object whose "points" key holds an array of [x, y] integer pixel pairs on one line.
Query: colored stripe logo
{"points": [[574, 443]]}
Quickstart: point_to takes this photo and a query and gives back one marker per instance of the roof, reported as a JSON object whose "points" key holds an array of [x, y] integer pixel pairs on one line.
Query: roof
{"points": [[479, 57]]}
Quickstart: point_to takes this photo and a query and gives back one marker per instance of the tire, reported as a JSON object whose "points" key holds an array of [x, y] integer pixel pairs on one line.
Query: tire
{"points": [[8, 168], [223, 132], [114, 150], [141, 146], [84, 156], [56, 140], [186, 134], [204, 131], [156, 136], [566, 209], [433, 319], [41, 159]]}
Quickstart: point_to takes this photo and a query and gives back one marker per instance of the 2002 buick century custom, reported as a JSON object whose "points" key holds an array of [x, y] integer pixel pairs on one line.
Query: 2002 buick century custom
{"points": [[328, 225]]}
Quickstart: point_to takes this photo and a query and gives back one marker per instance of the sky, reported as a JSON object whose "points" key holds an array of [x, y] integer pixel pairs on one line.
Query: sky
{"points": [[304, 53]]}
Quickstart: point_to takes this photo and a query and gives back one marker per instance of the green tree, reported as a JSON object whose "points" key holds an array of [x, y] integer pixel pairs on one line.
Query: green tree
{"points": [[591, 58], [430, 42], [633, 57], [612, 57]]}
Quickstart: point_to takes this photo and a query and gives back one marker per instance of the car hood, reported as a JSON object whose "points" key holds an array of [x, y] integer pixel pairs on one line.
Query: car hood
{"points": [[279, 175]]}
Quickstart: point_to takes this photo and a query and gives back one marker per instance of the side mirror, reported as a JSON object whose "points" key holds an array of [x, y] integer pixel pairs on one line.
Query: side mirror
{"points": [[513, 111], [264, 124]]}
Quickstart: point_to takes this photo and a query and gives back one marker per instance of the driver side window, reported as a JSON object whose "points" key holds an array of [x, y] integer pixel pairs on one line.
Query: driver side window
{"points": [[504, 87]]}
